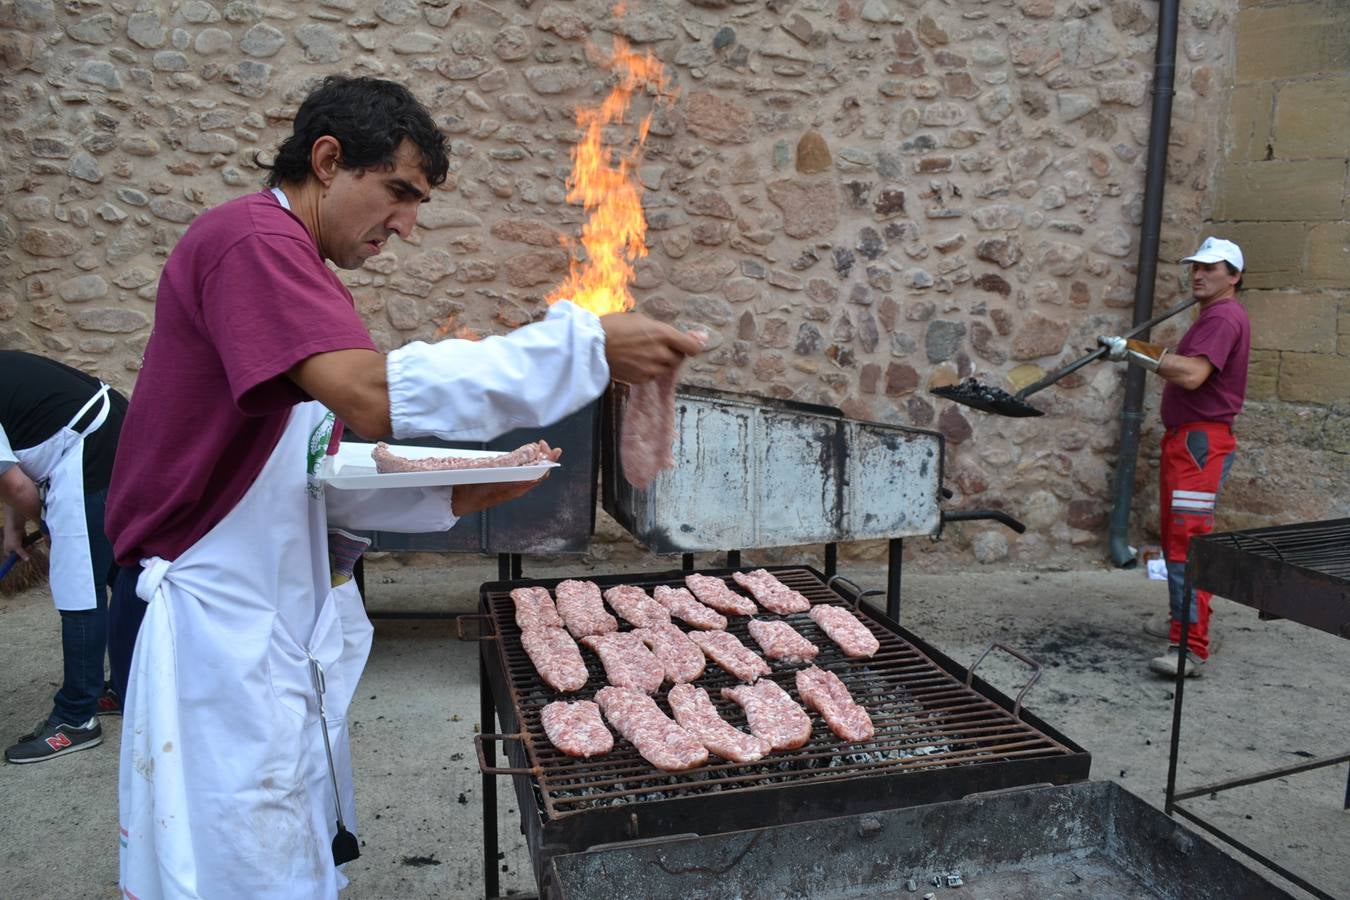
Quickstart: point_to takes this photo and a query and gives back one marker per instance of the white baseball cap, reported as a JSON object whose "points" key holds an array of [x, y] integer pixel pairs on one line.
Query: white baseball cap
{"points": [[1218, 250]]}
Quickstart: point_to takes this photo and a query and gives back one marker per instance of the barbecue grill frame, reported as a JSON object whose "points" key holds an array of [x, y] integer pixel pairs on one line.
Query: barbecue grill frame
{"points": [[750, 808], [1229, 564]]}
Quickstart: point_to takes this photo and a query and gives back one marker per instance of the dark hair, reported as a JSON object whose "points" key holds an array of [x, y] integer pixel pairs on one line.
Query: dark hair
{"points": [[370, 118], [1234, 270]]}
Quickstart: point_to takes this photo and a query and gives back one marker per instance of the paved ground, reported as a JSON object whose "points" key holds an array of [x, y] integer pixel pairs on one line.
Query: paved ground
{"points": [[1276, 694]]}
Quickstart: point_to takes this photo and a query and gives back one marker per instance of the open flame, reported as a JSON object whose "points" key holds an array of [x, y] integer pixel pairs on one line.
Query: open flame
{"points": [[604, 181]]}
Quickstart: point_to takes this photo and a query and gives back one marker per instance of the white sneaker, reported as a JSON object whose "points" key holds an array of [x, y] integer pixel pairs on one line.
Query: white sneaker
{"points": [[1167, 664]]}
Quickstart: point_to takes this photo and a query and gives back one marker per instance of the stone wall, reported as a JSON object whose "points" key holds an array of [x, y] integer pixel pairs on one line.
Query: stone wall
{"points": [[861, 199], [1280, 190]]}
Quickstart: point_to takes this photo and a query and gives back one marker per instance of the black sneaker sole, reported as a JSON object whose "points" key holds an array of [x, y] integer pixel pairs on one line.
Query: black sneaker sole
{"points": [[73, 748]]}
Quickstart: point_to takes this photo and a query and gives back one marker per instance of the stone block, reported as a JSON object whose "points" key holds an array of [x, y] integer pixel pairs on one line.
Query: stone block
{"points": [[1280, 191], [1287, 321], [1292, 39], [1250, 113], [1313, 377], [1311, 119], [1273, 251], [1329, 254]]}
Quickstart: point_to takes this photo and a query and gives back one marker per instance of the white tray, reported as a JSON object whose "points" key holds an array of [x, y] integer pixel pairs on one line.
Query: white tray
{"points": [[353, 469]]}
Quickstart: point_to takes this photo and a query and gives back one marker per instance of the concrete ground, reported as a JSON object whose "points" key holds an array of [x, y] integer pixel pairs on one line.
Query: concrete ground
{"points": [[1274, 695]]}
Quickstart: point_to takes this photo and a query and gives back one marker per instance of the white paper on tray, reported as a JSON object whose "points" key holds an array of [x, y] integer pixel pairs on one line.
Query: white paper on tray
{"points": [[352, 468]]}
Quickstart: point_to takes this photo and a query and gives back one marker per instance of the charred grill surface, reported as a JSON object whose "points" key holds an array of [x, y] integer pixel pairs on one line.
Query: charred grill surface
{"points": [[926, 719], [1298, 572]]}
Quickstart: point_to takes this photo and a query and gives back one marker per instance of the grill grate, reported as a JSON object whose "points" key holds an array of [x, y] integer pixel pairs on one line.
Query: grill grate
{"points": [[925, 718], [1319, 546]]}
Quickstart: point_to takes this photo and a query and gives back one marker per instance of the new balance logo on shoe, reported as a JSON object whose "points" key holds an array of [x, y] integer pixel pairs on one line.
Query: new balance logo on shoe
{"points": [[58, 741]]}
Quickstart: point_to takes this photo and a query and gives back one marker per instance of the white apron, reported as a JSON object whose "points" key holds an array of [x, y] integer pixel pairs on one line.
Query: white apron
{"points": [[221, 698], [59, 461]]}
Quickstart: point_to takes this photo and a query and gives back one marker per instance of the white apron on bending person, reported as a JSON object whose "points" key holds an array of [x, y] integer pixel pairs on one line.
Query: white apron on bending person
{"points": [[59, 461]]}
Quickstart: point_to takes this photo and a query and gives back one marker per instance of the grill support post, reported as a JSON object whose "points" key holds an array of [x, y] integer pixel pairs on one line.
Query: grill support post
{"points": [[1198, 572], [895, 554], [487, 717]]}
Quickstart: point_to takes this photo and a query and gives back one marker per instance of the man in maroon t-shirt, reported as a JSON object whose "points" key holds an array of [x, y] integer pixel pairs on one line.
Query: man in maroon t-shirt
{"points": [[1206, 381]]}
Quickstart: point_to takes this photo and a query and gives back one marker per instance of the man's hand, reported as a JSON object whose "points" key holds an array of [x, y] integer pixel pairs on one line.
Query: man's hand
{"points": [[1115, 347], [14, 533], [472, 498], [640, 349], [1135, 352]]}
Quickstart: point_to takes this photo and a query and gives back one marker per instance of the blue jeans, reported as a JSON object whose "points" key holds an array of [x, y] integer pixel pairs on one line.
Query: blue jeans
{"points": [[84, 633], [124, 621]]}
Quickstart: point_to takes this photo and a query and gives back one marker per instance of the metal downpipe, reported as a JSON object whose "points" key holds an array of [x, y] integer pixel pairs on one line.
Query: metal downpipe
{"points": [[1131, 416]]}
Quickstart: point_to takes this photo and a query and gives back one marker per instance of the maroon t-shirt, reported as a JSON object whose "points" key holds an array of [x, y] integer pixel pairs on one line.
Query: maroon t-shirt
{"points": [[1221, 334], [243, 297]]}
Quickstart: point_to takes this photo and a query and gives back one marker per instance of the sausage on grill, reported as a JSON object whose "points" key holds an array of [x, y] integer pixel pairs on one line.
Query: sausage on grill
{"points": [[535, 609], [844, 629], [635, 606], [576, 728], [772, 713], [715, 593], [779, 640], [682, 605], [627, 661], [826, 694], [696, 714], [681, 658], [725, 649], [771, 593], [582, 610], [556, 657], [658, 740]]}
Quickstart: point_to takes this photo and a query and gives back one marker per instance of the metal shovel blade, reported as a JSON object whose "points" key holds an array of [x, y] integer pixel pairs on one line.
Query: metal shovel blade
{"points": [[987, 398]]}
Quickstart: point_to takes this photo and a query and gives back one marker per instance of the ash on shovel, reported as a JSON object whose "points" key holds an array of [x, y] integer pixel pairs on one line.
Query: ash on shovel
{"points": [[987, 398]]}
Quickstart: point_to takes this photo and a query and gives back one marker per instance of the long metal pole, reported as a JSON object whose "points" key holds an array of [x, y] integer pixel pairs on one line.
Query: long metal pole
{"points": [[1131, 415], [487, 718]]}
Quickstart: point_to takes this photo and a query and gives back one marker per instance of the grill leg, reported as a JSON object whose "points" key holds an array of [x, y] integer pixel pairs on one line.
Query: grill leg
{"points": [[895, 554], [503, 567], [733, 559], [1177, 695], [487, 716], [831, 559], [516, 560], [687, 562]]}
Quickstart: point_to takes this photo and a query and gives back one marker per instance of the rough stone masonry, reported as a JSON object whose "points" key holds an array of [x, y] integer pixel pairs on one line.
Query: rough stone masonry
{"points": [[859, 200]]}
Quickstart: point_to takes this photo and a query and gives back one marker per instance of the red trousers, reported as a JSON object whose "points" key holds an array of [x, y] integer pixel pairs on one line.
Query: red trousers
{"points": [[1195, 462]]}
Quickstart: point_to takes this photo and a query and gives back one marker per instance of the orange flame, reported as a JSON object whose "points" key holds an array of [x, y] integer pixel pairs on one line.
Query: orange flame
{"points": [[613, 235]]}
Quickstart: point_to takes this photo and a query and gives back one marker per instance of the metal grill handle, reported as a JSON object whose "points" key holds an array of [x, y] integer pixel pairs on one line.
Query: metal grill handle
{"points": [[1035, 675], [497, 770], [854, 588]]}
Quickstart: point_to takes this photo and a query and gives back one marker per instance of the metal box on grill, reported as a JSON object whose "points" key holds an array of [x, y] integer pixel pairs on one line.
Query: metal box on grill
{"points": [[556, 517], [759, 472]]}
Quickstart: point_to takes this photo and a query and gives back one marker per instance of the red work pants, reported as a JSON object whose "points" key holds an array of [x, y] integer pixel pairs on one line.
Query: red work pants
{"points": [[1195, 462]]}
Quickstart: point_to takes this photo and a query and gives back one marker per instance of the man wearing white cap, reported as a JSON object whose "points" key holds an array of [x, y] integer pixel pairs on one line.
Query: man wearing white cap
{"points": [[1206, 379]]}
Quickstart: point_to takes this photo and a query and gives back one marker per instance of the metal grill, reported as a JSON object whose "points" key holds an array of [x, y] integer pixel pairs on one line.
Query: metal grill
{"points": [[924, 717], [1298, 572]]}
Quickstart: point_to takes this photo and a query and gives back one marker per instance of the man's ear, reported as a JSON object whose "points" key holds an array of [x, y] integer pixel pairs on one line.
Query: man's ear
{"points": [[325, 158]]}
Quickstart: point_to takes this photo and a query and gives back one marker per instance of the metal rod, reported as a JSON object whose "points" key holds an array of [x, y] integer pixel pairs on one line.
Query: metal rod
{"points": [[895, 552], [1155, 180], [503, 567], [359, 576], [487, 718], [515, 566], [733, 559], [1178, 694], [687, 562], [831, 559], [1267, 775], [1259, 857], [409, 614]]}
